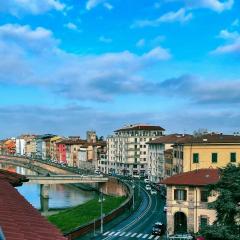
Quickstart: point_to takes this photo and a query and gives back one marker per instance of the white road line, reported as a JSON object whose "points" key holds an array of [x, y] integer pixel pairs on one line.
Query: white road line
{"points": [[116, 233], [145, 236], [151, 237], [106, 233], [133, 234], [157, 237], [139, 235], [128, 234], [122, 234], [111, 233]]}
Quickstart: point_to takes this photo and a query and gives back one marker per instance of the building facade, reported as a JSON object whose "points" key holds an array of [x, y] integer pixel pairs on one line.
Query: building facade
{"points": [[127, 150], [187, 200], [210, 150]]}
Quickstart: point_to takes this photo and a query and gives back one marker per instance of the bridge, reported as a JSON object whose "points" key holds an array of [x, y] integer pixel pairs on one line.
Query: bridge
{"points": [[66, 179]]}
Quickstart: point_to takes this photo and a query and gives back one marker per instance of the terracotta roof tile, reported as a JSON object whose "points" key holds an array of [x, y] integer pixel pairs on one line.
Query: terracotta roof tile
{"points": [[140, 127], [171, 138], [199, 177], [18, 218]]}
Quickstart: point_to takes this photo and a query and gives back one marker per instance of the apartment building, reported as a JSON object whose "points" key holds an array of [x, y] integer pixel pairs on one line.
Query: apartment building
{"points": [[209, 150], [160, 162], [127, 150], [187, 200]]}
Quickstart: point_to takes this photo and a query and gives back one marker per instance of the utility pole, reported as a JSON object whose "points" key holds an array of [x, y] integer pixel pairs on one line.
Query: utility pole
{"points": [[101, 212]]}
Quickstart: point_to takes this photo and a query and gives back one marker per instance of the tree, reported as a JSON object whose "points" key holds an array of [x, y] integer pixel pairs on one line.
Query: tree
{"points": [[227, 206], [200, 132]]}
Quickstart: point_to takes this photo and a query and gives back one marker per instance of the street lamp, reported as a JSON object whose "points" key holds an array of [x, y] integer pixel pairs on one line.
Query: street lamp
{"points": [[133, 186], [101, 210]]}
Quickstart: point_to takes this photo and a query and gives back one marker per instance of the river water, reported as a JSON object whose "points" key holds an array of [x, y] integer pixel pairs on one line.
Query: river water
{"points": [[60, 195]]}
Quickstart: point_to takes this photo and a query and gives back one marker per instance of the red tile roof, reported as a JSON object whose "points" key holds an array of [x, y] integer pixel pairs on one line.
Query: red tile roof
{"points": [[140, 127], [171, 138], [13, 178], [19, 220], [200, 177]]}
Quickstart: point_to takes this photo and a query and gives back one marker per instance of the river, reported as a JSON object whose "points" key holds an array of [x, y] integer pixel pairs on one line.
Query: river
{"points": [[60, 195]]}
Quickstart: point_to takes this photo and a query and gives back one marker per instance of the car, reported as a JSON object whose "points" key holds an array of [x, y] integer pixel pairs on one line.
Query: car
{"points": [[148, 187], [165, 209], [146, 180], [153, 191], [158, 229], [97, 172], [136, 176]]}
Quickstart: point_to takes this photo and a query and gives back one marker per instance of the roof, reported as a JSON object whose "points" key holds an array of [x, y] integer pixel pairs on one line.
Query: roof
{"points": [[140, 127], [200, 177], [14, 179], [72, 141], [19, 219], [211, 138], [171, 138]]}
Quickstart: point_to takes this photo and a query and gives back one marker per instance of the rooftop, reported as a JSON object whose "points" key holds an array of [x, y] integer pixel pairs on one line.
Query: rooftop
{"points": [[18, 218], [171, 138], [140, 127], [199, 177], [210, 138]]}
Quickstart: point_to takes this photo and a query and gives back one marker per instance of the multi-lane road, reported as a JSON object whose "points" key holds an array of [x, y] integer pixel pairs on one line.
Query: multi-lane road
{"points": [[139, 224]]}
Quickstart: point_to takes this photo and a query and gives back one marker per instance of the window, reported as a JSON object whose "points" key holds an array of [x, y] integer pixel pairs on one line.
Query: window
{"points": [[134, 166], [203, 221], [233, 157], [214, 157], [180, 194], [204, 196], [195, 158]]}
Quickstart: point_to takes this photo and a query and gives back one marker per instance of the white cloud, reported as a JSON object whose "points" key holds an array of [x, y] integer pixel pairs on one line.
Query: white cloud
{"points": [[94, 3], [35, 7], [38, 61], [215, 5], [105, 40], [141, 42], [71, 26], [235, 23], [179, 16], [232, 44]]}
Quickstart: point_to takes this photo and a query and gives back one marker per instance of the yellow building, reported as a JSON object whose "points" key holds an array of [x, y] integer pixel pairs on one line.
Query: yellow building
{"points": [[187, 200], [207, 151], [53, 147]]}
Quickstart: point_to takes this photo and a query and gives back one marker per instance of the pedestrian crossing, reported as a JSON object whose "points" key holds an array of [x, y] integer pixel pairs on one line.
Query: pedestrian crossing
{"points": [[131, 235]]}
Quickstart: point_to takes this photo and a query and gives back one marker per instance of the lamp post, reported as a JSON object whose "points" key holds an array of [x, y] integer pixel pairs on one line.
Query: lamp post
{"points": [[101, 211], [133, 186]]}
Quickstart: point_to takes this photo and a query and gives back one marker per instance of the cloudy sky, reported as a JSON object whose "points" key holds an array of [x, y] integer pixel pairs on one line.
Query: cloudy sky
{"points": [[72, 65]]}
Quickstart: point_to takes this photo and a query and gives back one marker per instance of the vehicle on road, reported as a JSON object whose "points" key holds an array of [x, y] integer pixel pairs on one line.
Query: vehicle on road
{"points": [[148, 187], [153, 191], [146, 180], [136, 176], [181, 237], [158, 229], [165, 209], [97, 172]]}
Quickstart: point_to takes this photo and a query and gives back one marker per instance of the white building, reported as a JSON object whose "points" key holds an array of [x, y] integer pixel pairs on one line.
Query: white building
{"points": [[127, 150], [158, 165], [20, 146]]}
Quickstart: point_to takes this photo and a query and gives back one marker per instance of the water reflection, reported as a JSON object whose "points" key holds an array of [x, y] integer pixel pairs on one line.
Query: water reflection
{"points": [[60, 196]]}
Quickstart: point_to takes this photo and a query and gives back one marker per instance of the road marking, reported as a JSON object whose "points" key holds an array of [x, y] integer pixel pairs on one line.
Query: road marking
{"points": [[128, 234], [111, 233], [106, 233], [145, 235], [117, 233], [139, 235], [151, 237], [157, 237], [122, 234], [133, 234]]}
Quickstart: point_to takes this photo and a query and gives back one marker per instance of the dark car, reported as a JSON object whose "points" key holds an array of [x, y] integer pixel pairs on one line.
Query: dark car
{"points": [[158, 229]]}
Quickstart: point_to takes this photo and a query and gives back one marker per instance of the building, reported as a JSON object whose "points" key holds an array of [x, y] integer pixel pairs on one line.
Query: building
{"points": [[20, 145], [158, 167], [54, 153], [31, 146], [127, 150], [210, 150], [187, 200], [9, 146]]}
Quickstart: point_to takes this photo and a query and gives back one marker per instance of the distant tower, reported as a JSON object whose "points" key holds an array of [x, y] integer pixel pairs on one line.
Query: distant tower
{"points": [[91, 136]]}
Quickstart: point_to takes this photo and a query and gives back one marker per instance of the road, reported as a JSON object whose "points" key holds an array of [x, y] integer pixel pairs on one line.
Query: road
{"points": [[139, 224]]}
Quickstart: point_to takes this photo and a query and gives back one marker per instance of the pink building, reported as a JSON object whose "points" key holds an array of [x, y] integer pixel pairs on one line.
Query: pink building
{"points": [[61, 148]]}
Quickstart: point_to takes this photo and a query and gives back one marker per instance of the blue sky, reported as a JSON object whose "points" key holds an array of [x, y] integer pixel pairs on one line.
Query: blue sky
{"points": [[72, 65]]}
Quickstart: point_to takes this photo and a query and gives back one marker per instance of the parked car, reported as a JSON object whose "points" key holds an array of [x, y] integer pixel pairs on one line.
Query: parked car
{"points": [[148, 187], [97, 172], [158, 229], [153, 191], [136, 176], [165, 209], [146, 180]]}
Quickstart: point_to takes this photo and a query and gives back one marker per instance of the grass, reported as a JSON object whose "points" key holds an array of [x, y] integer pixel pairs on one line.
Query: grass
{"points": [[74, 217]]}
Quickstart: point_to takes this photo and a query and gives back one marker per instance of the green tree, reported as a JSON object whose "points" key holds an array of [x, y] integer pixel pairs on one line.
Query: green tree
{"points": [[227, 206]]}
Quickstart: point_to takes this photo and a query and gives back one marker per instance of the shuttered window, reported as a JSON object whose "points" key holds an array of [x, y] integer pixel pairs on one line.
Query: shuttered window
{"points": [[180, 194]]}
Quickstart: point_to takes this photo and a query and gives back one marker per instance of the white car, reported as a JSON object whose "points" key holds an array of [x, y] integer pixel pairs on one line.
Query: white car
{"points": [[153, 191], [146, 180], [148, 187], [165, 209]]}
